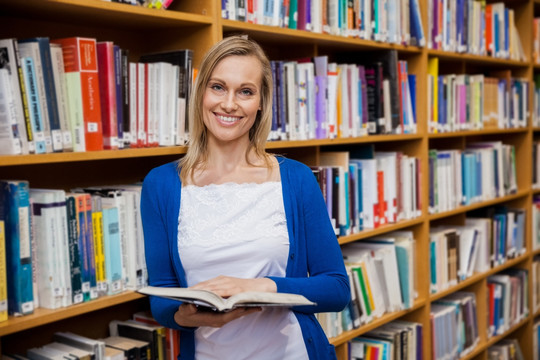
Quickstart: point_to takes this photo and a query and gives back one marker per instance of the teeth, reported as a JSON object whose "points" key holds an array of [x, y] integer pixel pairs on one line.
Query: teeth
{"points": [[228, 118]]}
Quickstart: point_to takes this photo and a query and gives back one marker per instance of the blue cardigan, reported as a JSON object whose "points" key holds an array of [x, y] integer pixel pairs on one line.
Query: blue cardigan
{"points": [[315, 266]]}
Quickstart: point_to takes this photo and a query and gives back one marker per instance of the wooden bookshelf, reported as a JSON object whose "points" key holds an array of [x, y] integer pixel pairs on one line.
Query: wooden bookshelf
{"points": [[198, 25]]}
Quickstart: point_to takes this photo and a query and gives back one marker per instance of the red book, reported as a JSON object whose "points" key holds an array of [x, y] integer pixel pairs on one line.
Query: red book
{"points": [[382, 203], [489, 29], [80, 56], [107, 91]]}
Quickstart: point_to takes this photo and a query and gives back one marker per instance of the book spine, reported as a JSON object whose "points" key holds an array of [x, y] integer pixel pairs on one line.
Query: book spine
{"points": [[34, 107], [16, 79], [15, 212], [3, 275], [107, 91], [73, 244], [50, 94], [112, 250], [57, 58], [90, 251], [97, 224]]}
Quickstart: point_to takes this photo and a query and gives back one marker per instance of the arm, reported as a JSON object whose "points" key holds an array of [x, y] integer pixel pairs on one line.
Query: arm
{"points": [[156, 242], [316, 268]]}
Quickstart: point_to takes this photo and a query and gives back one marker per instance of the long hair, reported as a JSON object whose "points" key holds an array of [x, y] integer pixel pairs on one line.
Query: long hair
{"points": [[198, 143]]}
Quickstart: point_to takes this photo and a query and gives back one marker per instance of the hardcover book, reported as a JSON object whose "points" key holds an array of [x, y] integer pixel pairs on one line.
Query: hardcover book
{"points": [[211, 300]]}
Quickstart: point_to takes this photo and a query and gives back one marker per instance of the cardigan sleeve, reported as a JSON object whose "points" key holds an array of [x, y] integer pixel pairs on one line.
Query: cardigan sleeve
{"points": [[316, 268], [159, 263]]}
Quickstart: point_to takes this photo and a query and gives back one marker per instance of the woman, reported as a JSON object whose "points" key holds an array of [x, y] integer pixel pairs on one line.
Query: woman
{"points": [[228, 218]]}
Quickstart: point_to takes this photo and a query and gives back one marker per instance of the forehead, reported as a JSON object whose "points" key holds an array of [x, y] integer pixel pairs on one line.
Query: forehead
{"points": [[238, 68]]}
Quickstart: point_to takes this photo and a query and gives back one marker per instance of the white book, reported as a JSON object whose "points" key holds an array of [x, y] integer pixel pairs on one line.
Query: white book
{"points": [[483, 227], [48, 248], [332, 100], [343, 89], [291, 89], [13, 65], [141, 107], [133, 104], [96, 347], [57, 58], [31, 49], [166, 100], [10, 140]]}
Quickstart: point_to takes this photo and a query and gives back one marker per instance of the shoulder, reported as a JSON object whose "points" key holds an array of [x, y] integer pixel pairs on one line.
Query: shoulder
{"points": [[293, 167], [164, 174]]}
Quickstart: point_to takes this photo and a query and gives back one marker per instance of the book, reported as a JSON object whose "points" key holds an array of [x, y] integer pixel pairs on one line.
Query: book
{"points": [[107, 92], [57, 58], [133, 349], [95, 347], [77, 353], [37, 125], [15, 212], [39, 49], [9, 53], [154, 335], [10, 142], [171, 335], [81, 69], [3, 278], [209, 299]]}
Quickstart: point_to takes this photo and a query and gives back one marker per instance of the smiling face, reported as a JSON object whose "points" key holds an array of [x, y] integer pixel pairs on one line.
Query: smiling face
{"points": [[232, 98]]}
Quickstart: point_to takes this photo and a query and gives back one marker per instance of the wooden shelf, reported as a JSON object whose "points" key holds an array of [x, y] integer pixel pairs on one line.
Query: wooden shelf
{"points": [[43, 316]]}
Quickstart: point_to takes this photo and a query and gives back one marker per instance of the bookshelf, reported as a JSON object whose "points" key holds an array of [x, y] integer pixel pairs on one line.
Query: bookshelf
{"points": [[198, 25]]}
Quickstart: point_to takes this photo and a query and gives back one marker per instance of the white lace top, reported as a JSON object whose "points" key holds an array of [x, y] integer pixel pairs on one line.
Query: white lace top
{"points": [[239, 230]]}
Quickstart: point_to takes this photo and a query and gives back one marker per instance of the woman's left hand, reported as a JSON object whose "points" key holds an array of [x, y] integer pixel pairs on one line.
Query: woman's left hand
{"points": [[226, 286]]}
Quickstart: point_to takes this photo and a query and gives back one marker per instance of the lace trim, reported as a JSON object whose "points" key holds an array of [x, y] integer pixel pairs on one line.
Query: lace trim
{"points": [[226, 214]]}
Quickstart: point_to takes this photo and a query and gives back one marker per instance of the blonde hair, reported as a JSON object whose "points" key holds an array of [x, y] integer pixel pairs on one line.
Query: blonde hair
{"points": [[197, 150]]}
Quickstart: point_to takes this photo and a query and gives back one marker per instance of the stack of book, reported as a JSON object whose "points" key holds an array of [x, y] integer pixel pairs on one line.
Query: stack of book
{"points": [[505, 349], [80, 94], [318, 99], [382, 278], [461, 102], [392, 21], [397, 339], [483, 171], [468, 26], [366, 189], [508, 301], [83, 244], [454, 326]]}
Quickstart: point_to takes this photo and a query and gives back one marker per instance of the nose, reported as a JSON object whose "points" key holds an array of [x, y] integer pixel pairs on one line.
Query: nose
{"points": [[229, 103]]}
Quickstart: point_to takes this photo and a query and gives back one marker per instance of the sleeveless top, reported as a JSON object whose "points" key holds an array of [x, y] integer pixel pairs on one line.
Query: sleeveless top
{"points": [[239, 230]]}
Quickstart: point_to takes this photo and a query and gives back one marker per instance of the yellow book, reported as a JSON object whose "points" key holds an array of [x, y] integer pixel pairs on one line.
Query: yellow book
{"points": [[433, 71], [3, 277], [99, 251]]}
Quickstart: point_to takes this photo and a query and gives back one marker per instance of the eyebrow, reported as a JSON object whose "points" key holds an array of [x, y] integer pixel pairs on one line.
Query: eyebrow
{"points": [[224, 82]]}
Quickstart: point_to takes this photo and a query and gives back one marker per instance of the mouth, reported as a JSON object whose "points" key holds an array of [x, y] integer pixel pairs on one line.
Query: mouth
{"points": [[227, 119]]}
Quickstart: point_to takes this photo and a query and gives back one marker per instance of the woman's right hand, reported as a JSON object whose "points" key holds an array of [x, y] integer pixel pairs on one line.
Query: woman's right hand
{"points": [[188, 315]]}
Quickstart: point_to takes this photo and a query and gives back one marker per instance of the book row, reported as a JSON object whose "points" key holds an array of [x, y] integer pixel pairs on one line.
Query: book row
{"points": [[318, 99], [67, 248], [152, 4], [80, 94], [139, 338], [508, 299], [454, 325], [382, 277], [397, 339], [474, 27], [461, 102], [482, 171], [366, 189], [392, 21], [489, 238], [505, 349]]}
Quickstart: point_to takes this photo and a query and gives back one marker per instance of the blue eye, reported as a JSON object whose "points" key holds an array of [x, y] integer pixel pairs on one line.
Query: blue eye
{"points": [[246, 92], [216, 87]]}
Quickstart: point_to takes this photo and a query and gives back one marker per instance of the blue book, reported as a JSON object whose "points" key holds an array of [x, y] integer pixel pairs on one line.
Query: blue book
{"points": [[282, 124], [433, 265], [15, 212], [412, 91], [49, 88], [113, 250], [497, 34], [275, 107], [34, 105], [506, 32], [416, 30]]}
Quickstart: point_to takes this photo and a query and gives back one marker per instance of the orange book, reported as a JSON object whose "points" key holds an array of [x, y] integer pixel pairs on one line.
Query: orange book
{"points": [[382, 203], [80, 56]]}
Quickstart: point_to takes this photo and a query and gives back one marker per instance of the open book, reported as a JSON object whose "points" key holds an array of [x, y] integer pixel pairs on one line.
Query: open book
{"points": [[216, 302]]}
